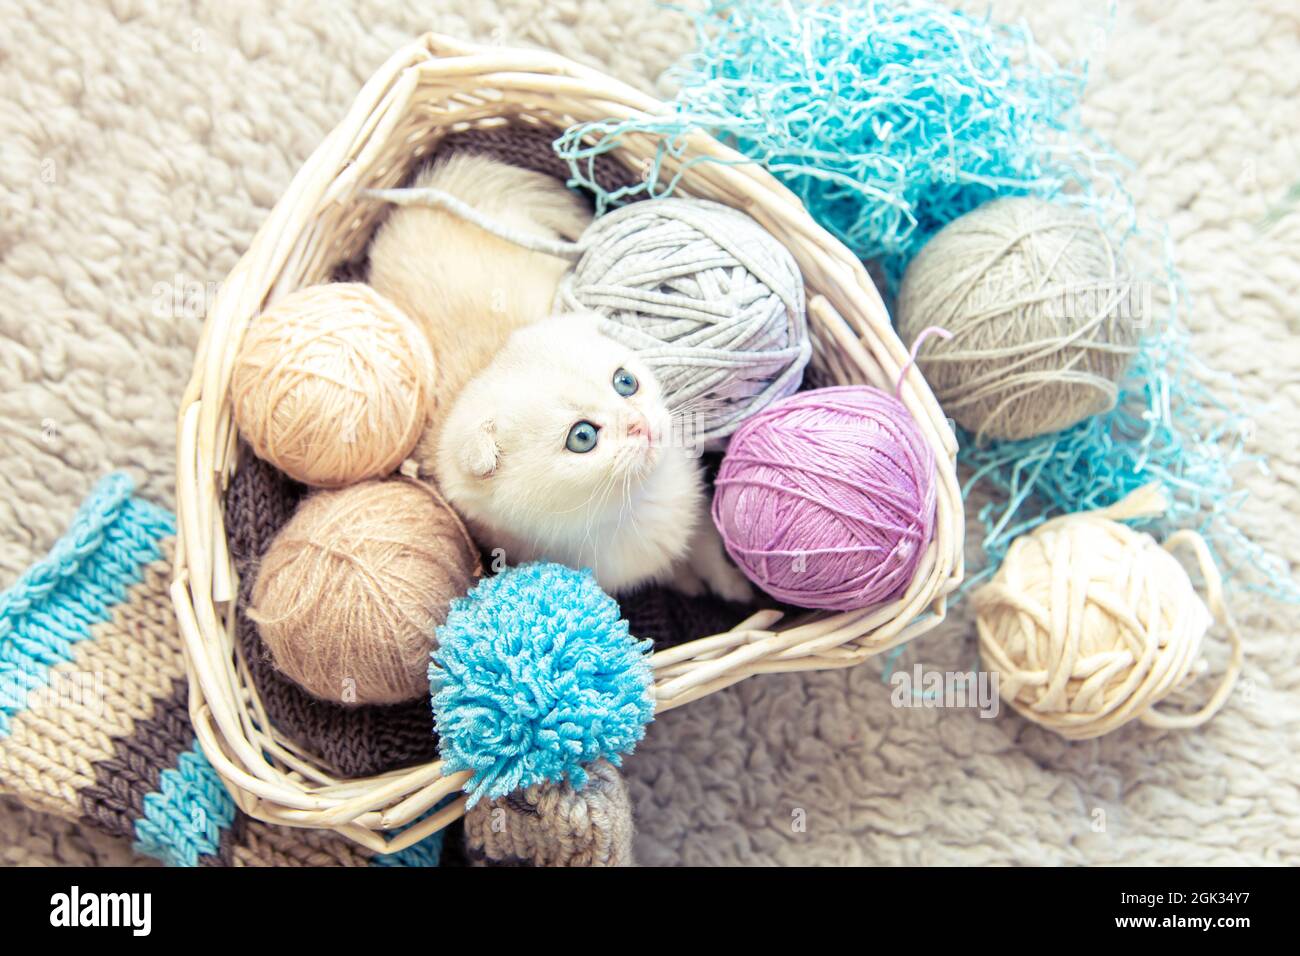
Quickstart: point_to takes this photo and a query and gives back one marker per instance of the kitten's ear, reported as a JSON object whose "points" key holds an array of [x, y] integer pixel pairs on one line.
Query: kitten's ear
{"points": [[479, 454]]}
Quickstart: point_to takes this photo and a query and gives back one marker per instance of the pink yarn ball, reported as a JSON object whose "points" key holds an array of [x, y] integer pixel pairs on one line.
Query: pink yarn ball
{"points": [[826, 499]]}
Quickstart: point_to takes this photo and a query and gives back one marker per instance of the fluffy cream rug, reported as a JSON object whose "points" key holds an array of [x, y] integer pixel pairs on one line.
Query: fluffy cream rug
{"points": [[143, 142]]}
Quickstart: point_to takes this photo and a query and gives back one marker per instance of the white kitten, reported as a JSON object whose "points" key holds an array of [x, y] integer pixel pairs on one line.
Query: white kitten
{"points": [[559, 450], [466, 288], [511, 382]]}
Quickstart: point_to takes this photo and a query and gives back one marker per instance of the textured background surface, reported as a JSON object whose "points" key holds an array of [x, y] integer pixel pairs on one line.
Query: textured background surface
{"points": [[141, 144]]}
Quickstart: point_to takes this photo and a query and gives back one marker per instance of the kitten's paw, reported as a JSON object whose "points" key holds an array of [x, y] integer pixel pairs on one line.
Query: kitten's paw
{"points": [[728, 583], [687, 580], [710, 567]]}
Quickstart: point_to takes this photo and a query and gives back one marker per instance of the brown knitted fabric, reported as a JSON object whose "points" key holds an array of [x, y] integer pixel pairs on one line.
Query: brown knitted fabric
{"points": [[358, 741], [530, 147], [669, 617], [551, 824], [355, 741], [116, 798], [105, 737]]}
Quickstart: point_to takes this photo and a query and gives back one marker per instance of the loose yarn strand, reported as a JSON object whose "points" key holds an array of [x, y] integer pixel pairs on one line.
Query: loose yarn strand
{"points": [[1218, 605], [916, 348], [439, 199]]}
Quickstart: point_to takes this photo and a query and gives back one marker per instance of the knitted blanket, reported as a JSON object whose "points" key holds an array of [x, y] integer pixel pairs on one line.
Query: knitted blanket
{"points": [[93, 719]]}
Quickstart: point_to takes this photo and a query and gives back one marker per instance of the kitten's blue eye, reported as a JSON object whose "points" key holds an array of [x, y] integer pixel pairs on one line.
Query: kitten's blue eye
{"points": [[582, 437], [625, 382]]}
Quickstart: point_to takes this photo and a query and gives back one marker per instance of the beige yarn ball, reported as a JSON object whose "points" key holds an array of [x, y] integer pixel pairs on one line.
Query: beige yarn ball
{"points": [[1089, 624], [1043, 316], [349, 592], [332, 385]]}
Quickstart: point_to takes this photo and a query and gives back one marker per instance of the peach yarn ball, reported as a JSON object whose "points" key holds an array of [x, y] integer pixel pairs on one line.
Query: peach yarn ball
{"points": [[349, 593], [333, 384]]}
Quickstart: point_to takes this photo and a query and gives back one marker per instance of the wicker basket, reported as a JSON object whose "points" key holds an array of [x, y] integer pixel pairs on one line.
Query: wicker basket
{"points": [[434, 87]]}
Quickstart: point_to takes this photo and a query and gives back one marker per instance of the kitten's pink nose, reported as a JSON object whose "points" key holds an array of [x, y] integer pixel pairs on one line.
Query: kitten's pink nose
{"points": [[639, 427]]}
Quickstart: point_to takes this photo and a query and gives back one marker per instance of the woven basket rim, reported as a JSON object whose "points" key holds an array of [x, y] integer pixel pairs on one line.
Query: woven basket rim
{"points": [[431, 87]]}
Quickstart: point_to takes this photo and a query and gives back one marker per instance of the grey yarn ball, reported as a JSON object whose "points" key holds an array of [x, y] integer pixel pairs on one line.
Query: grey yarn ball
{"points": [[1043, 314], [711, 301]]}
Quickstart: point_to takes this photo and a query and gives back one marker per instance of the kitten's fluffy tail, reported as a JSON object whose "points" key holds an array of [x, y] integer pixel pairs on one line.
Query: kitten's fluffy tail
{"points": [[511, 195]]}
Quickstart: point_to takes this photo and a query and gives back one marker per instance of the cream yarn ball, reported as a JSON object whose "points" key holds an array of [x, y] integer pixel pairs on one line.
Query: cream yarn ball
{"points": [[1089, 624], [1043, 315], [332, 384], [349, 592]]}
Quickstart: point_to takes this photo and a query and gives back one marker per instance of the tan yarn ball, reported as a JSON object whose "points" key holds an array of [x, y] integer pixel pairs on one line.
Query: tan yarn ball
{"points": [[349, 592], [1043, 316], [1089, 624], [332, 385]]}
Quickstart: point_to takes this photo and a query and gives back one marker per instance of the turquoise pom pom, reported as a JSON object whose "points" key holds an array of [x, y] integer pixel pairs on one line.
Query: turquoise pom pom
{"points": [[535, 676]]}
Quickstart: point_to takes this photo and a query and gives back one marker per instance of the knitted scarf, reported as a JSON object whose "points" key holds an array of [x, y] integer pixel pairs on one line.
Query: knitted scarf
{"points": [[93, 719]]}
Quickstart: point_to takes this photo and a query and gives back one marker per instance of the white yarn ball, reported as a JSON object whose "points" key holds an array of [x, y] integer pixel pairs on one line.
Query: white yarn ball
{"points": [[1090, 624], [711, 301]]}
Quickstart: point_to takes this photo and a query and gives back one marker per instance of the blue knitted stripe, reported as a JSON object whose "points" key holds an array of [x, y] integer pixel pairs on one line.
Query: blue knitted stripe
{"points": [[185, 817], [428, 852], [58, 600]]}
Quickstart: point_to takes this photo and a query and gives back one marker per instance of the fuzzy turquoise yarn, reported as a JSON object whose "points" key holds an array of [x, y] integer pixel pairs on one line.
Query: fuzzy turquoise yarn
{"points": [[535, 676], [887, 118]]}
